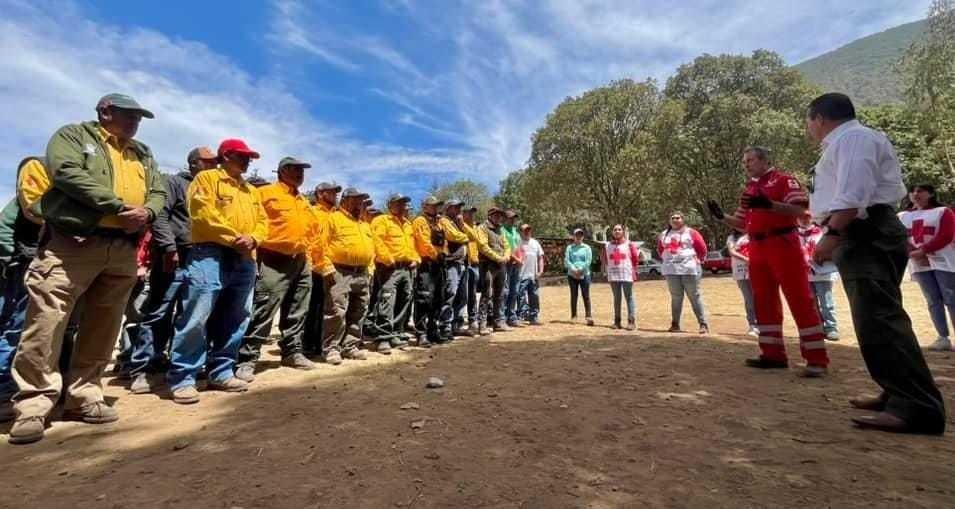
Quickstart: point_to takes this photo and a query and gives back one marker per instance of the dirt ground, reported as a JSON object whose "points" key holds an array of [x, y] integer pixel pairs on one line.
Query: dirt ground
{"points": [[556, 416]]}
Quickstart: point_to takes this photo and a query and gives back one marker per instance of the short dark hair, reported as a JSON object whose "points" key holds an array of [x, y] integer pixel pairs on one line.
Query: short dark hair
{"points": [[930, 189], [832, 106]]}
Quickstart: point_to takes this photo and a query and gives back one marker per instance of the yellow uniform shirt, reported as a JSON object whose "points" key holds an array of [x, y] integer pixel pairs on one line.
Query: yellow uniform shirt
{"points": [[421, 232], [473, 253], [293, 225], [32, 184], [129, 176], [345, 242], [394, 240], [223, 208], [485, 249]]}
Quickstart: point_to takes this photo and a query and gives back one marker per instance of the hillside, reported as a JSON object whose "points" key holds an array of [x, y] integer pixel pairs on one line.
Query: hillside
{"points": [[864, 68]]}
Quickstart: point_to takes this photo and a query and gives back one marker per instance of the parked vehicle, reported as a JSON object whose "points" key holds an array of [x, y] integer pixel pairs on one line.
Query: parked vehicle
{"points": [[650, 266], [715, 262]]}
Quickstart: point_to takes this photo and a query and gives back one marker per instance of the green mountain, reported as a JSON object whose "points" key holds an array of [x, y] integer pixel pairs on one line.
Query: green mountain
{"points": [[864, 68]]}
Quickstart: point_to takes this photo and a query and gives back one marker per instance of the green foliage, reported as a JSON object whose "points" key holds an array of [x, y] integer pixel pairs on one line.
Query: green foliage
{"points": [[865, 69]]}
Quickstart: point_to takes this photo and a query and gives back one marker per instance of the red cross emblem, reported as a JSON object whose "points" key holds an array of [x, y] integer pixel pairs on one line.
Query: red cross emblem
{"points": [[617, 256], [674, 245], [919, 231]]}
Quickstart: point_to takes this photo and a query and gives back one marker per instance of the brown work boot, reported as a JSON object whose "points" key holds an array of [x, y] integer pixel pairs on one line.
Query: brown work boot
{"points": [[297, 361], [93, 413], [383, 347], [185, 395], [246, 372], [674, 327], [27, 430], [231, 384]]}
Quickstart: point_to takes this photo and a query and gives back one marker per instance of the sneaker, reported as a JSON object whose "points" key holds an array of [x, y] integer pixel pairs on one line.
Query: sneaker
{"points": [[231, 384], [297, 361], [615, 326], [333, 357], [590, 322], [463, 333], [535, 322], [355, 354], [764, 363], [383, 347], [501, 327], [140, 385], [813, 371], [753, 332], [246, 372], [704, 329], [674, 327], [631, 326], [514, 324], [6, 411], [27, 430], [832, 335], [93, 413], [397, 342], [942, 344], [185, 395], [424, 343]]}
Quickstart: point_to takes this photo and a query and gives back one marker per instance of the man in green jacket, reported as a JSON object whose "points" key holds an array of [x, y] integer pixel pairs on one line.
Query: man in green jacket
{"points": [[105, 192]]}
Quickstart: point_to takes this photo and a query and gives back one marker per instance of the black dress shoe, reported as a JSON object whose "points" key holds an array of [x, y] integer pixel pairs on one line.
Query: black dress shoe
{"points": [[764, 363]]}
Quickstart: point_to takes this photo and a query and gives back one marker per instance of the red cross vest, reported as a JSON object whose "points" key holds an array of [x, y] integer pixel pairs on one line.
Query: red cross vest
{"points": [[922, 226], [619, 261]]}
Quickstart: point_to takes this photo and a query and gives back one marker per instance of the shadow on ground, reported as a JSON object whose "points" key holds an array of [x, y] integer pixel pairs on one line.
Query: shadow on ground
{"points": [[607, 421]]}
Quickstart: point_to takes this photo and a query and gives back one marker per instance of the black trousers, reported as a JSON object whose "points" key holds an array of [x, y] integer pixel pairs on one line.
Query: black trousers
{"points": [[871, 260], [428, 298], [312, 342]]}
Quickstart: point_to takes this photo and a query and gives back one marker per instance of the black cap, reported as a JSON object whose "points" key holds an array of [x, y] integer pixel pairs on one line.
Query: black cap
{"points": [[351, 192], [328, 186], [398, 197], [291, 161]]}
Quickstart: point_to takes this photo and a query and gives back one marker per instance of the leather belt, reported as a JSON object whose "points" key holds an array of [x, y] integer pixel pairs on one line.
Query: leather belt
{"points": [[772, 233], [353, 269]]}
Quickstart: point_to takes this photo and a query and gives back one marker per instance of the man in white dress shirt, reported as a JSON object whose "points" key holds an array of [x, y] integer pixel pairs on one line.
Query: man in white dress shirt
{"points": [[855, 187]]}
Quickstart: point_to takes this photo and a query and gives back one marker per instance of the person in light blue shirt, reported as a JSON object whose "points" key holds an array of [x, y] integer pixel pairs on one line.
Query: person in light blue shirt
{"points": [[577, 259]]}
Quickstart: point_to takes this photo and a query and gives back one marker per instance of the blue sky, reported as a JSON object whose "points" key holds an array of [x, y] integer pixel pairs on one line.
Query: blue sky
{"points": [[386, 95]]}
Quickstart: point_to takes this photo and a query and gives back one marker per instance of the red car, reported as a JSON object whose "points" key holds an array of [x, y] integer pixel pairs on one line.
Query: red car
{"points": [[715, 262]]}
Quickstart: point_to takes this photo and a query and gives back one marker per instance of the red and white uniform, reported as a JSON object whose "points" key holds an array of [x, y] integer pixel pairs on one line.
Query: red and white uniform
{"points": [[621, 260], [809, 237], [932, 231], [777, 262], [681, 252], [741, 245]]}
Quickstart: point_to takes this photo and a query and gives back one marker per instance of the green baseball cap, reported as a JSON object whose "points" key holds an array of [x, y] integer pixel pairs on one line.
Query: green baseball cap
{"points": [[291, 161], [124, 102], [432, 200]]}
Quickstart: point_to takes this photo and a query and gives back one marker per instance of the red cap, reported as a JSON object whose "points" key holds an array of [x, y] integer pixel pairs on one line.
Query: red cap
{"points": [[237, 146]]}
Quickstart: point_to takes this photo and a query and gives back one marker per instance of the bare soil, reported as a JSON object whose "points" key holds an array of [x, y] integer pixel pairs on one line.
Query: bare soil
{"points": [[561, 415]]}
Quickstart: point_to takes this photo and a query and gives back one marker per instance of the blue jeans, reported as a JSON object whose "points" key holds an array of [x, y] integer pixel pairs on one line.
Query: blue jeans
{"points": [[12, 315], [626, 289], [690, 285], [938, 287], [581, 286], [746, 289], [453, 276], [530, 299], [826, 304], [474, 273], [216, 309], [152, 336], [511, 294]]}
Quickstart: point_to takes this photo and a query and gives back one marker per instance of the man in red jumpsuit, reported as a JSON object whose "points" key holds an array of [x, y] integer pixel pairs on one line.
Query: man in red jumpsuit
{"points": [[768, 210]]}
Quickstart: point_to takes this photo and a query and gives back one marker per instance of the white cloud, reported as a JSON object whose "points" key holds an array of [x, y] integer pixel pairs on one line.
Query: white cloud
{"points": [[50, 76]]}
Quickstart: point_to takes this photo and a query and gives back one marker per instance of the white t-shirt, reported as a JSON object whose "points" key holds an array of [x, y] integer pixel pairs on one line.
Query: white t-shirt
{"points": [[532, 253], [740, 244]]}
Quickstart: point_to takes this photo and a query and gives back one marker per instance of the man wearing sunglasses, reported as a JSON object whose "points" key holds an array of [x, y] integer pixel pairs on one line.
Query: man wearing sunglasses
{"points": [[228, 224]]}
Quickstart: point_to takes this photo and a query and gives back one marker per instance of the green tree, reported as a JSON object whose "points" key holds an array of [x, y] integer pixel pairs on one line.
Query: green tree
{"points": [[719, 105]]}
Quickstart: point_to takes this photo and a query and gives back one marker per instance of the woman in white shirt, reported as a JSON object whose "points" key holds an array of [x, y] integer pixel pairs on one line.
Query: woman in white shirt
{"points": [[682, 250], [737, 244], [931, 228], [620, 258]]}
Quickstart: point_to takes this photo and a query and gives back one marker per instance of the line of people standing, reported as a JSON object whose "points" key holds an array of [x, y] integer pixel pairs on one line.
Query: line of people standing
{"points": [[200, 263]]}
